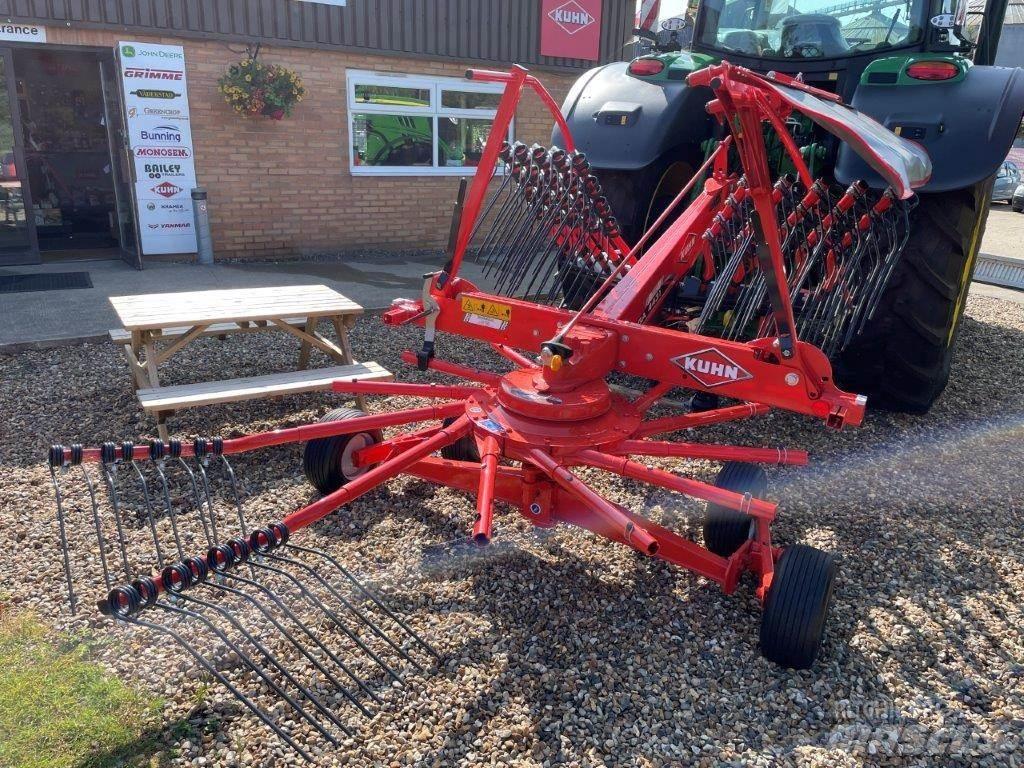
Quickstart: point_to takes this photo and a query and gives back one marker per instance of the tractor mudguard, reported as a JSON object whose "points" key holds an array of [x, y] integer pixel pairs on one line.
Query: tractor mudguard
{"points": [[626, 123], [966, 125]]}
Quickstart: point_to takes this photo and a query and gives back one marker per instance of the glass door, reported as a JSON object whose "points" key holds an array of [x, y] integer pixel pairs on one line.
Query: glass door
{"points": [[18, 243], [121, 168]]}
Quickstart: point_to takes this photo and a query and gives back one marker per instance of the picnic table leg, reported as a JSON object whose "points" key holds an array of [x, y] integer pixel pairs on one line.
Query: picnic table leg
{"points": [[148, 343], [310, 328], [341, 329]]}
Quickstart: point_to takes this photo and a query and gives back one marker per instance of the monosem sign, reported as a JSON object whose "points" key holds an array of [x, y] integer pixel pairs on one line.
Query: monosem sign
{"points": [[571, 29], [155, 90]]}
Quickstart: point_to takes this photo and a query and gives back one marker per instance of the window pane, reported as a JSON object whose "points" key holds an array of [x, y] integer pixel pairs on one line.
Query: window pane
{"points": [[392, 140], [392, 96], [462, 140], [469, 100]]}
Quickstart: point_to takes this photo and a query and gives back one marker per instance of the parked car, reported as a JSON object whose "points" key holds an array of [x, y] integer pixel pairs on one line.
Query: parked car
{"points": [[1017, 203], [1007, 179]]}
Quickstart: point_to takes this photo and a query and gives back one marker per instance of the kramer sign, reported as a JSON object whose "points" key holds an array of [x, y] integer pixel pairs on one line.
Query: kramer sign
{"points": [[571, 29], [160, 137]]}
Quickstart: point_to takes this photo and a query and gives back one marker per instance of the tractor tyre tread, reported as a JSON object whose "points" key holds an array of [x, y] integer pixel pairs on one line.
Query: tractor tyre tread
{"points": [[463, 449], [902, 359]]}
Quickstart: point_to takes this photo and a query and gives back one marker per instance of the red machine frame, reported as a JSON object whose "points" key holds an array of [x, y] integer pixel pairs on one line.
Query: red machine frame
{"points": [[556, 412]]}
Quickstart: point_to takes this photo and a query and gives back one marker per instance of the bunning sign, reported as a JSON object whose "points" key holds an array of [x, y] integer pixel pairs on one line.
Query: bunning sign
{"points": [[160, 139]]}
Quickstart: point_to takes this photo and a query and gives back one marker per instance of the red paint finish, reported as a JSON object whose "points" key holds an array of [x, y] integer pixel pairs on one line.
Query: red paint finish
{"points": [[570, 29]]}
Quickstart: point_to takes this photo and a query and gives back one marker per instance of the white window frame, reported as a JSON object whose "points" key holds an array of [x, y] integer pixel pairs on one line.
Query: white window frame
{"points": [[435, 86]]}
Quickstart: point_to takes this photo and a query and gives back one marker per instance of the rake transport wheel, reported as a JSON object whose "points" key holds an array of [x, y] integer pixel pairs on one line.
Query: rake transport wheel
{"points": [[796, 607], [463, 449], [327, 461], [902, 358], [725, 529]]}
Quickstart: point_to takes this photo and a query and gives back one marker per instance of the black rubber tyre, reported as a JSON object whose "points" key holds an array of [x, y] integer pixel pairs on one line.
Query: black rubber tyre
{"points": [[796, 608], [902, 359], [704, 401], [325, 461], [463, 449], [725, 529]]}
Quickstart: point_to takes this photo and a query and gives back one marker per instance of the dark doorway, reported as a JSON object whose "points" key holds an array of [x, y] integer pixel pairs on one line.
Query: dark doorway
{"points": [[63, 102]]}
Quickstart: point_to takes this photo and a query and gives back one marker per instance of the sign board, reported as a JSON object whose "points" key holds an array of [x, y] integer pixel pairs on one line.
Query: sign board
{"points": [[571, 29], [155, 92], [22, 33]]}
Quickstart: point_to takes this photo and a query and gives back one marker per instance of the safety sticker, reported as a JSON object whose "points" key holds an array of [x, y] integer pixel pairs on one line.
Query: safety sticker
{"points": [[487, 313]]}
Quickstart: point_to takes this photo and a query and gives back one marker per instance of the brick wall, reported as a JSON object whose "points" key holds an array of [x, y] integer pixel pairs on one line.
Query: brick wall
{"points": [[282, 188]]}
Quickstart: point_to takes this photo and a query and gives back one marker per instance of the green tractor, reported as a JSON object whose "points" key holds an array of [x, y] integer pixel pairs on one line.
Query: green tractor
{"points": [[923, 68]]}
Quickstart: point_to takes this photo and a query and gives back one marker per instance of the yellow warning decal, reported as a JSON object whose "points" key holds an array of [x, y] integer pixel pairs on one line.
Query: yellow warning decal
{"points": [[489, 309]]}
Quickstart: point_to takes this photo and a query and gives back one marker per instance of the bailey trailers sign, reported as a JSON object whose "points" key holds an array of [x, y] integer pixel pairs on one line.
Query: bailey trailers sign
{"points": [[160, 140], [571, 29]]}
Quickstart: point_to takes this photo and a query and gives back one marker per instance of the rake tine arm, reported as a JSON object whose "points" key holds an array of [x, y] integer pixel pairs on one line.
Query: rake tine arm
{"points": [[485, 496], [646, 401], [205, 664], [781, 456], [465, 476], [702, 419], [510, 354], [636, 471], [391, 388], [276, 663], [382, 472], [622, 525], [62, 530], [369, 594], [454, 369]]}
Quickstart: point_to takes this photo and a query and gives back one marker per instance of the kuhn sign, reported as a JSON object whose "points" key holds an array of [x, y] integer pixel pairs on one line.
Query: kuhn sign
{"points": [[712, 368], [571, 29]]}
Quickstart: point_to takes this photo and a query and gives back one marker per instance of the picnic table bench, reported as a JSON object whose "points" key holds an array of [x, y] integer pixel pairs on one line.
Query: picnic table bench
{"points": [[158, 326]]}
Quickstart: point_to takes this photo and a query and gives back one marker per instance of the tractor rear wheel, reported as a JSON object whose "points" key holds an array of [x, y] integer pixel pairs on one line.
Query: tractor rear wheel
{"points": [[796, 607], [327, 461], [725, 529], [463, 449], [902, 359]]}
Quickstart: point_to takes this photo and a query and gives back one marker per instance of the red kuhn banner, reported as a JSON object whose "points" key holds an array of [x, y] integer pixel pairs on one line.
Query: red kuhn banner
{"points": [[570, 29]]}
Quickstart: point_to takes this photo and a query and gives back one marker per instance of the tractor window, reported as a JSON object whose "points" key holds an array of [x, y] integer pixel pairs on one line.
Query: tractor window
{"points": [[412, 125], [809, 29]]}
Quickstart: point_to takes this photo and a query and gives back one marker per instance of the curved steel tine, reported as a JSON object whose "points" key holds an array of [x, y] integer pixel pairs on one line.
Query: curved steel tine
{"points": [[319, 644], [312, 600], [158, 465], [97, 524], [110, 477], [234, 492], [241, 655], [149, 512], [291, 638], [199, 501], [349, 605], [369, 594], [201, 465], [222, 679], [276, 663], [65, 552]]}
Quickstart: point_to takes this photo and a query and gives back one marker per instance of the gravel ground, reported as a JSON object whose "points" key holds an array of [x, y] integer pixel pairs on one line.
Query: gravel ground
{"points": [[565, 650]]}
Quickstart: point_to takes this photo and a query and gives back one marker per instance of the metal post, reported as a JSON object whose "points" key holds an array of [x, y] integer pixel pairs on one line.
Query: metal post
{"points": [[204, 241]]}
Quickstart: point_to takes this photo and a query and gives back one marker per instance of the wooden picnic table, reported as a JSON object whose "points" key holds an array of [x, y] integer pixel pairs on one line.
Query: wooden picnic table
{"points": [[157, 327]]}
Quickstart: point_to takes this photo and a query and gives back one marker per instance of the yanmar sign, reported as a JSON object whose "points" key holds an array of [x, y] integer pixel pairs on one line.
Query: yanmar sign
{"points": [[571, 29], [712, 367]]}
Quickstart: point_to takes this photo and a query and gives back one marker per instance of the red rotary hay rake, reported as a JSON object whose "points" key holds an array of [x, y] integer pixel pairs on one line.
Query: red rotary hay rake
{"points": [[736, 296]]}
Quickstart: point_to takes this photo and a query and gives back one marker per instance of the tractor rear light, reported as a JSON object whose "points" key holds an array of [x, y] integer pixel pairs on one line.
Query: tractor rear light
{"points": [[646, 67], [933, 70]]}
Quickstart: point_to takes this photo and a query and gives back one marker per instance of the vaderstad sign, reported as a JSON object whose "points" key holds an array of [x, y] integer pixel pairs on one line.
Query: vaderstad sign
{"points": [[571, 29]]}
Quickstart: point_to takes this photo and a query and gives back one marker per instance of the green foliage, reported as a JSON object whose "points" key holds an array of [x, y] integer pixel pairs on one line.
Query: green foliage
{"points": [[58, 709], [254, 88]]}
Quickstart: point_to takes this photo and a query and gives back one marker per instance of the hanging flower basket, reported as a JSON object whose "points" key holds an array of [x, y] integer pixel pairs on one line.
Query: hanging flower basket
{"points": [[251, 87]]}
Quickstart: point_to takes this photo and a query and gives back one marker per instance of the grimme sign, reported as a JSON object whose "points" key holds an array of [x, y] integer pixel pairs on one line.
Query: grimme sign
{"points": [[571, 29], [160, 137]]}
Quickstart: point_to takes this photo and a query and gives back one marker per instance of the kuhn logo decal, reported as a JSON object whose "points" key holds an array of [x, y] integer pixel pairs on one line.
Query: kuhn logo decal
{"points": [[571, 17], [712, 368], [167, 189]]}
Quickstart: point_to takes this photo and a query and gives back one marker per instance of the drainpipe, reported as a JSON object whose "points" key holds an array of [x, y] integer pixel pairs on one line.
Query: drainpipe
{"points": [[204, 241]]}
